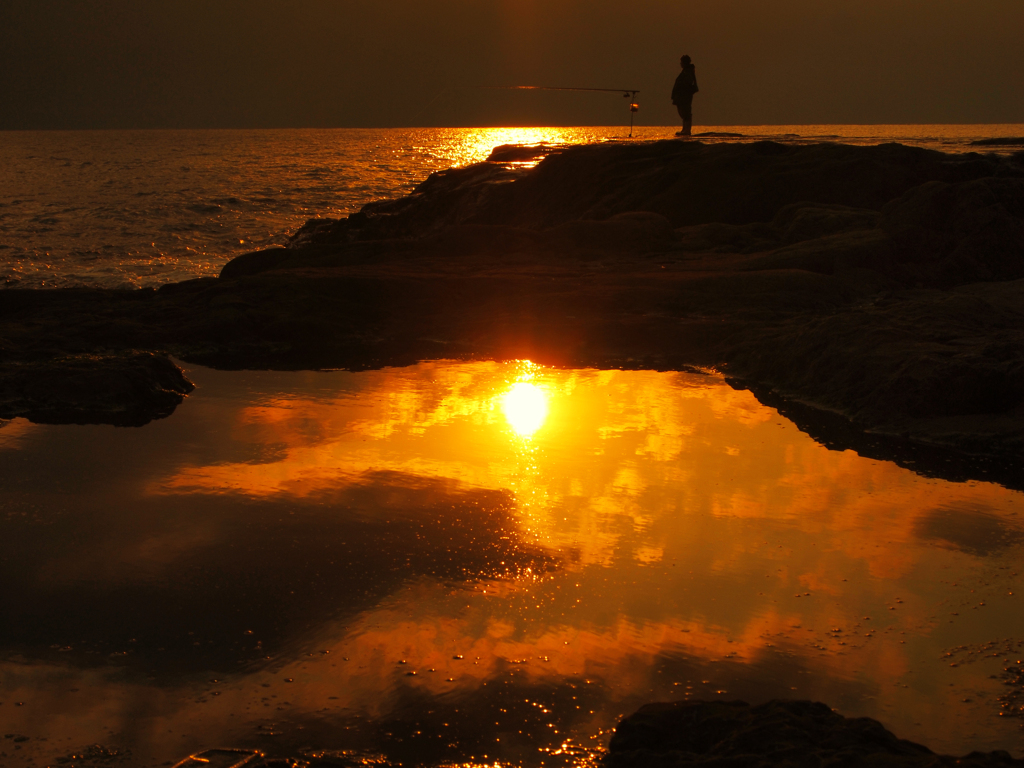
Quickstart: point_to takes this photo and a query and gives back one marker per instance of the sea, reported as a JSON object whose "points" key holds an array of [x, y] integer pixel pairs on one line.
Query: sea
{"points": [[131, 209], [455, 563]]}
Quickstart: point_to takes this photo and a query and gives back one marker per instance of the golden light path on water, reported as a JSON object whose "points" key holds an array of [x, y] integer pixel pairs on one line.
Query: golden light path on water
{"points": [[474, 146], [504, 557]]}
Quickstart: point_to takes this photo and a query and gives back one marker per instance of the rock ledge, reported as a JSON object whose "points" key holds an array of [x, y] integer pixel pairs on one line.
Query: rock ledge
{"points": [[779, 733]]}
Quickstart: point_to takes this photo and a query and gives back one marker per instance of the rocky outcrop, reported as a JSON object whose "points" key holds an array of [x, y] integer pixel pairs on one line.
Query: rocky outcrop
{"points": [[795, 734], [883, 284], [687, 183], [126, 390], [522, 153]]}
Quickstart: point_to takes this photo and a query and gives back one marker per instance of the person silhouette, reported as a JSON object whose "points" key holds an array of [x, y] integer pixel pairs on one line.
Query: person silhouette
{"points": [[682, 94]]}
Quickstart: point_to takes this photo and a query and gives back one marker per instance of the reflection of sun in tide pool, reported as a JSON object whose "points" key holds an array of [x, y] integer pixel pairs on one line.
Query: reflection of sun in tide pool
{"points": [[526, 407]]}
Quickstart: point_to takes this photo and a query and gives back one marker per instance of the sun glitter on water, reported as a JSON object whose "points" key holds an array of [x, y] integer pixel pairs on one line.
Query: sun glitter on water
{"points": [[525, 406]]}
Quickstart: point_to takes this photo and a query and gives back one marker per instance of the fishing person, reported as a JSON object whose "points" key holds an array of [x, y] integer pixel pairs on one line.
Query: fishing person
{"points": [[682, 94]]}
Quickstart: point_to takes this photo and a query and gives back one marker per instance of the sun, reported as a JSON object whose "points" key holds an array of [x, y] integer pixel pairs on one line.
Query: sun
{"points": [[526, 407]]}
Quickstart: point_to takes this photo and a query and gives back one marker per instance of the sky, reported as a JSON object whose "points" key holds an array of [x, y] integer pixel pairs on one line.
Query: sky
{"points": [[336, 63]]}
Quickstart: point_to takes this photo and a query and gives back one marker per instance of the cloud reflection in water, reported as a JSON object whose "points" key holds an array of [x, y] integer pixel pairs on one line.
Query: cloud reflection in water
{"points": [[638, 534]]}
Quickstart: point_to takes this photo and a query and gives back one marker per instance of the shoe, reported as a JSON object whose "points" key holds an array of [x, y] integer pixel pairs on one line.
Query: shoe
{"points": [[680, 133]]}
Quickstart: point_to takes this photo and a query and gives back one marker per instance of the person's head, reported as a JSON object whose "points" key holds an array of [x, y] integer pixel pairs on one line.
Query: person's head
{"points": [[684, 61]]}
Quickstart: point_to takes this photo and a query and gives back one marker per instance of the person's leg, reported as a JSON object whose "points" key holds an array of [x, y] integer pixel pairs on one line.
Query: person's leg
{"points": [[682, 116], [686, 115]]}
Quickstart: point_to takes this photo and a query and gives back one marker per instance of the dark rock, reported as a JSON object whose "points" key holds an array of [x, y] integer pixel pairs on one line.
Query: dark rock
{"points": [[251, 263], [126, 390], [862, 249], [687, 183], [444, 199], [635, 231], [793, 734], [728, 238], [694, 183], [520, 153], [806, 221], [954, 234], [1006, 142], [923, 364]]}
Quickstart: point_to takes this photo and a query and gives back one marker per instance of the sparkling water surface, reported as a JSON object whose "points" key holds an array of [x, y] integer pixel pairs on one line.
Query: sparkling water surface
{"points": [[128, 209], [484, 563]]}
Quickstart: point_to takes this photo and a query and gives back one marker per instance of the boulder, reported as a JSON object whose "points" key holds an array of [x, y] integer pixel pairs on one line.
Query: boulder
{"points": [[778, 734], [128, 390]]}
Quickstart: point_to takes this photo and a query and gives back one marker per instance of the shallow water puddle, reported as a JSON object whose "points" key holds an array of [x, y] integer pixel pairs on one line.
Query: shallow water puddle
{"points": [[481, 562]]}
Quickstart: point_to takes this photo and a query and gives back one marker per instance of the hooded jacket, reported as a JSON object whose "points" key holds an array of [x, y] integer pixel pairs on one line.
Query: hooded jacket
{"points": [[686, 85]]}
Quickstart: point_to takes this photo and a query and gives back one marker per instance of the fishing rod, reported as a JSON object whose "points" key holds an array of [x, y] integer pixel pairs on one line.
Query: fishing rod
{"points": [[627, 93]]}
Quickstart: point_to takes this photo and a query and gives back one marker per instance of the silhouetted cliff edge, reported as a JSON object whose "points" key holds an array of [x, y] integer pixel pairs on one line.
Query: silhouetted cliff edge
{"points": [[884, 284]]}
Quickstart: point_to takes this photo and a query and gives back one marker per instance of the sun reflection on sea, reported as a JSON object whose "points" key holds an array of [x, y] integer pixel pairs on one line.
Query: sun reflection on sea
{"points": [[476, 144], [525, 404], [594, 459], [469, 535]]}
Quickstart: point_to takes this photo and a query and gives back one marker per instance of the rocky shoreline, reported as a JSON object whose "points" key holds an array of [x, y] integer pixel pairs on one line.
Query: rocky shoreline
{"points": [[883, 285]]}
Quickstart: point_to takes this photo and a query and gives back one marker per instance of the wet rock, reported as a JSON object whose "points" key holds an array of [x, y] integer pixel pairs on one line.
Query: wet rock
{"points": [[251, 263], [778, 733], [94, 756], [520, 153], [128, 389]]}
